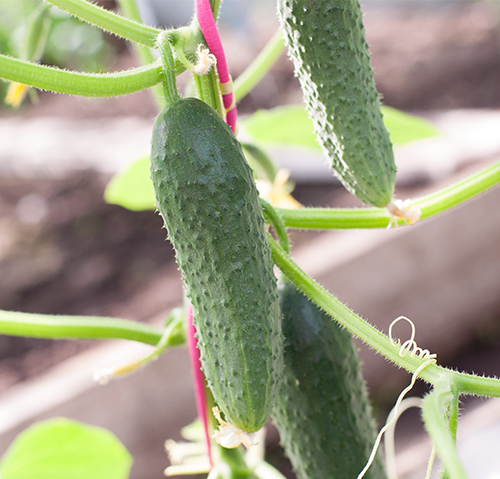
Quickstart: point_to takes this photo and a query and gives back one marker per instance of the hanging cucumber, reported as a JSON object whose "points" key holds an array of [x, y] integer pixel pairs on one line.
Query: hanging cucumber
{"points": [[207, 196], [323, 413], [327, 45]]}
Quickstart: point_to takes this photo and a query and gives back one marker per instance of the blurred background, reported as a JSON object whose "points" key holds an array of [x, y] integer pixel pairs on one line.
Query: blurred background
{"points": [[63, 250]]}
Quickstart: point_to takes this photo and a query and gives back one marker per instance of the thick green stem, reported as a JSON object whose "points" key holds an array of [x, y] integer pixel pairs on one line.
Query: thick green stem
{"points": [[453, 412], [464, 383], [169, 79], [433, 408], [207, 87], [274, 218], [259, 67], [430, 205], [477, 385], [109, 21], [459, 192], [81, 84], [76, 327], [347, 318]]}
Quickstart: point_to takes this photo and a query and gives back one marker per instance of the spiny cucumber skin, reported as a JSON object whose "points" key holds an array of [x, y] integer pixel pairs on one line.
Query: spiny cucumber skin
{"points": [[323, 413], [207, 196], [326, 42]]}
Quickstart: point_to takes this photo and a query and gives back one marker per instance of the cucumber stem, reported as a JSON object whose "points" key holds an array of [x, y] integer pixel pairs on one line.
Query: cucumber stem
{"points": [[430, 205], [13, 323], [275, 219], [169, 79], [76, 83], [433, 408]]}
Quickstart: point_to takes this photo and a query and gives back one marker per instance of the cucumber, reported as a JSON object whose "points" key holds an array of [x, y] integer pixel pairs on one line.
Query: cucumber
{"points": [[207, 196], [326, 42], [323, 413]]}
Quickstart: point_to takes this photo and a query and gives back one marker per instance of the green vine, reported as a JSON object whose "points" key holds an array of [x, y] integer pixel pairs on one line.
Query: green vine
{"points": [[76, 327], [81, 84], [430, 205]]}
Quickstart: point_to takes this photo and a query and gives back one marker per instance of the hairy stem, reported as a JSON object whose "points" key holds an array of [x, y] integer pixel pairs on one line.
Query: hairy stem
{"points": [[169, 80], [274, 218], [347, 318], [432, 373], [76, 327], [433, 408], [433, 204], [81, 84]]}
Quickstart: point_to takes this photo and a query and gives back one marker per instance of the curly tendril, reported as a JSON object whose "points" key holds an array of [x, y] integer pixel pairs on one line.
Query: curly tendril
{"points": [[408, 347]]}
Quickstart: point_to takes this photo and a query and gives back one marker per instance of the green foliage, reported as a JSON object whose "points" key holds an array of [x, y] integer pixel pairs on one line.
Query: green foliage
{"points": [[76, 45], [404, 128], [132, 188], [290, 125], [65, 449]]}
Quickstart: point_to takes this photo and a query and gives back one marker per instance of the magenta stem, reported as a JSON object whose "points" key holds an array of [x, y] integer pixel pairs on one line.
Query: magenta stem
{"points": [[199, 379], [205, 18]]}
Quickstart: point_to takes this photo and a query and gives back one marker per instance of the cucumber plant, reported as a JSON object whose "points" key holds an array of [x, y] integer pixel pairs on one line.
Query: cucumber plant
{"points": [[206, 193]]}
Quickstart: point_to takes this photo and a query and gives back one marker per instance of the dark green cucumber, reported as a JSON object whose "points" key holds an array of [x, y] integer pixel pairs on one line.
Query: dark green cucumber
{"points": [[323, 413], [326, 42], [207, 196]]}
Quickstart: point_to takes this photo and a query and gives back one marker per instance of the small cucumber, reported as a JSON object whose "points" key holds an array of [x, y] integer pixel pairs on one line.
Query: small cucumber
{"points": [[207, 196], [326, 42], [323, 413]]}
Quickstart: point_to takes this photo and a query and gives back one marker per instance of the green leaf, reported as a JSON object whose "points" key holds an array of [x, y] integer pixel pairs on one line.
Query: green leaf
{"points": [[404, 128], [291, 125], [65, 449], [132, 188], [287, 125]]}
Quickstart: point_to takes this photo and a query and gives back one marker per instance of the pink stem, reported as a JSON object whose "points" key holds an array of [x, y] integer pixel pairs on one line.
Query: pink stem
{"points": [[199, 379], [205, 18]]}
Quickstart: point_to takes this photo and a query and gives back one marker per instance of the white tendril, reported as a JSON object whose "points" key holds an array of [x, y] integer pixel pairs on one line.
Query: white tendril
{"points": [[408, 347], [389, 446]]}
